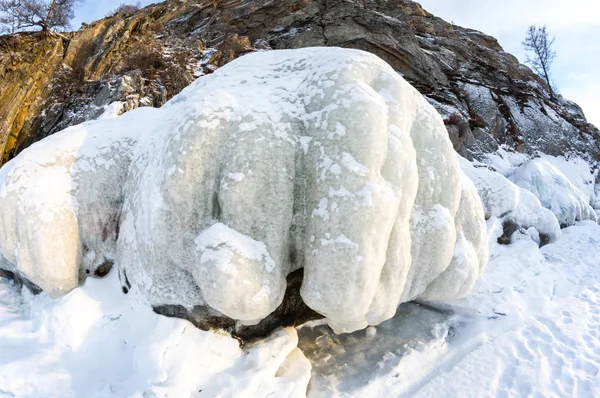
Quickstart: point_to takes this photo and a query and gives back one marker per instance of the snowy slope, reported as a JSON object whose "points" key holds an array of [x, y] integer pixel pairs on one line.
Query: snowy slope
{"points": [[544, 335]]}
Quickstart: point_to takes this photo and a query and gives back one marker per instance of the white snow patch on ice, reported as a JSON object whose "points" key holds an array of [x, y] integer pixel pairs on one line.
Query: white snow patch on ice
{"points": [[112, 110]]}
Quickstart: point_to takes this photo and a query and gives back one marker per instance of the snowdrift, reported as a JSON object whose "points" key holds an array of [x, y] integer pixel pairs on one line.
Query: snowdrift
{"points": [[322, 159], [97, 342]]}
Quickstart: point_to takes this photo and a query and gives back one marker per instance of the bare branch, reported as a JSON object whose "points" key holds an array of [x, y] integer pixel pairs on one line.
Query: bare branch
{"points": [[46, 15], [537, 41]]}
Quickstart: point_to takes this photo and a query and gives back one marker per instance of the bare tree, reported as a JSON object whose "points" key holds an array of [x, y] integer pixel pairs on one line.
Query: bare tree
{"points": [[46, 15], [538, 42]]}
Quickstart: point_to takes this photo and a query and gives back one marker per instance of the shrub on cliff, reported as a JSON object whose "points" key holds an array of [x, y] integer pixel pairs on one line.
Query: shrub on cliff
{"points": [[125, 9]]}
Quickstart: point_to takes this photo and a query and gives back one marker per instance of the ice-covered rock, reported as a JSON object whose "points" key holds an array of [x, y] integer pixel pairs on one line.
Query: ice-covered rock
{"points": [[60, 202], [570, 203], [566, 185], [513, 205], [321, 159], [579, 172]]}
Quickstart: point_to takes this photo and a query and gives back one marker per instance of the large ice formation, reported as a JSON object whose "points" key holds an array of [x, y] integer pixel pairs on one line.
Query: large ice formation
{"points": [[323, 159], [60, 201]]}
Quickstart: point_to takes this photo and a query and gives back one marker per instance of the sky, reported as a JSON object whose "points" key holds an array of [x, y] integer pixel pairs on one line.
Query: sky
{"points": [[91, 10], [574, 23]]}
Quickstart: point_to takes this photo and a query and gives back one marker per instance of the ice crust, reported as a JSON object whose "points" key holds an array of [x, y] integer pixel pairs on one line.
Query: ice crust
{"points": [[323, 159], [60, 201]]}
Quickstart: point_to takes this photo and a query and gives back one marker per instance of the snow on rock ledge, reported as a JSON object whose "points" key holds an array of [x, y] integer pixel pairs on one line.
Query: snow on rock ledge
{"points": [[322, 159]]}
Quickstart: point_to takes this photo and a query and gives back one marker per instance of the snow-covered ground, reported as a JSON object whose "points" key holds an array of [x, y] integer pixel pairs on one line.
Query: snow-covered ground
{"points": [[531, 327], [535, 328], [98, 342]]}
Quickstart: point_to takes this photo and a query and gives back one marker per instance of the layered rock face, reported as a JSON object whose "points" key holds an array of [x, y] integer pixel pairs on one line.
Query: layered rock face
{"points": [[321, 160], [484, 95], [53, 81], [27, 66]]}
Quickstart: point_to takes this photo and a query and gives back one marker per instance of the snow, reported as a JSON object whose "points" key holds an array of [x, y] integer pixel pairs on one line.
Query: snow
{"points": [[203, 202], [504, 200], [578, 172], [96, 342], [112, 110], [529, 327], [564, 185], [504, 159], [59, 201], [542, 339], [327, 152]]}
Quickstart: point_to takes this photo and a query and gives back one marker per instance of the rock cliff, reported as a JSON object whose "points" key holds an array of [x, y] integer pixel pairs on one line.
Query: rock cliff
{"points": [[142, 59]]}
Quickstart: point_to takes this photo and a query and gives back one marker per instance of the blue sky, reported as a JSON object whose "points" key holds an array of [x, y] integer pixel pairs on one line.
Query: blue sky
{"points": [[91, 10], [575, 23]]}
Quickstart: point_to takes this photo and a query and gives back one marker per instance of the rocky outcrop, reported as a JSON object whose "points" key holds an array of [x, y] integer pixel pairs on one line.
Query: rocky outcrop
{"points": [[49, 81], [27, 65], [485, 96]]}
